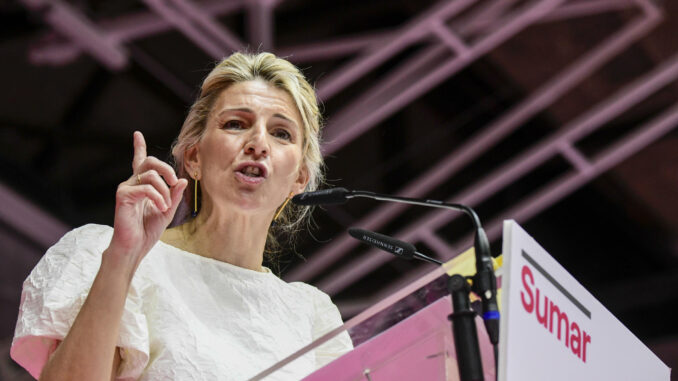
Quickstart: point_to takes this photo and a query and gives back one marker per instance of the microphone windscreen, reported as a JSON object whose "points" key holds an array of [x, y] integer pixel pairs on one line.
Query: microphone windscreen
{"points": [[384, 242], [322, 197]]}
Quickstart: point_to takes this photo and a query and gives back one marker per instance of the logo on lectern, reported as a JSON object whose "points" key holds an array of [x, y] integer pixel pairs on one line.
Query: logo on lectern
{"points": [[549, 314]]}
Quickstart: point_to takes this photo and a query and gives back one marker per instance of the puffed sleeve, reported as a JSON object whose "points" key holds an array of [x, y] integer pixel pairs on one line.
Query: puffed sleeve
{"points": [[327, 318], [55, 291]]}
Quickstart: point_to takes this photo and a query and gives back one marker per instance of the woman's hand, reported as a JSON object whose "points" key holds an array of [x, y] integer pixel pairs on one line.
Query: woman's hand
{"points": [[144, 205]]}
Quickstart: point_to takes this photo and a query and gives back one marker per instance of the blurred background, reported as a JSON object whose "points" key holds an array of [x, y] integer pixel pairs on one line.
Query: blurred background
{"points": [[560, 114]]}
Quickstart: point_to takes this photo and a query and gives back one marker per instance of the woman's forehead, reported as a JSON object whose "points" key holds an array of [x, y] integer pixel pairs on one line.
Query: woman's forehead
{"points": [[260, 97]]}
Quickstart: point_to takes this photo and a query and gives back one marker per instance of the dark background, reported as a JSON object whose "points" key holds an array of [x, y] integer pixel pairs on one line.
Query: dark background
{"points": [[67, 117]]}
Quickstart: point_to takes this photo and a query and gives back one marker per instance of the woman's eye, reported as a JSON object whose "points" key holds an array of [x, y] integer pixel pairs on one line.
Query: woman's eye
{"points": [[282, 134], [233, 125]]}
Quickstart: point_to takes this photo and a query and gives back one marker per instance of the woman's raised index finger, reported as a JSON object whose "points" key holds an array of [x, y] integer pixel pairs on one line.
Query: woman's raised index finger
{"points": [[139, 150]]}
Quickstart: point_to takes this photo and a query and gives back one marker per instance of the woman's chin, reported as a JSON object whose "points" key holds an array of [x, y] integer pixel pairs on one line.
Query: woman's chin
{"points": [[252, 202]]}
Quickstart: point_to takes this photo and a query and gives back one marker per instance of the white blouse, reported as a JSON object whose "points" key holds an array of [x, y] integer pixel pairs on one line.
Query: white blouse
{"points": [[186, 317]]}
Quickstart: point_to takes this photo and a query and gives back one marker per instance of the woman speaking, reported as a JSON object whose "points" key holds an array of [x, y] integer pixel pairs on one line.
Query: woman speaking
{"points": [[192, 302]]}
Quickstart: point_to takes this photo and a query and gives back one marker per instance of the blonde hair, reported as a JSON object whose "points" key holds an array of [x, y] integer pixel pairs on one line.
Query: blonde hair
{"points": [[243, 67]]}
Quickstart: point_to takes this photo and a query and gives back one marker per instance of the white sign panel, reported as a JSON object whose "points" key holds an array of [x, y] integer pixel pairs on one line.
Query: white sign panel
{"points": [[553, 329]]}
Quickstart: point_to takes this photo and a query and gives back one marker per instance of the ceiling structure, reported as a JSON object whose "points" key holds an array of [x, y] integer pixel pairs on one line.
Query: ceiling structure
{"points": [[560, 114]]}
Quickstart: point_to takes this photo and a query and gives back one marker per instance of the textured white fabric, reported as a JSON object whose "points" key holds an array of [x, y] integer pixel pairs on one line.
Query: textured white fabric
{"points": [[186, 317]]}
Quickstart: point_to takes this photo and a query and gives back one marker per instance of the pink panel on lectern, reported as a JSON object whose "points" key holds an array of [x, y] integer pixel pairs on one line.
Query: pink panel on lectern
{"points": [[418, 348]]}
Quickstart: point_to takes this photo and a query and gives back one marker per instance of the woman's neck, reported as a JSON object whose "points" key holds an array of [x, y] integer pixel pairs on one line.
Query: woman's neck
{"points": [[236, 238]]}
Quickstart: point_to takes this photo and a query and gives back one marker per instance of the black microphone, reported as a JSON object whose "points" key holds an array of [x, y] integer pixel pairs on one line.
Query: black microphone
{"points": [[396, 247], [322, 197], [485, 285], [485, 282]]}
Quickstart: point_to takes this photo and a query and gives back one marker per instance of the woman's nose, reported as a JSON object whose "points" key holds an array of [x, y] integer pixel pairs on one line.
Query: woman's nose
{"points": [[257, 143]]}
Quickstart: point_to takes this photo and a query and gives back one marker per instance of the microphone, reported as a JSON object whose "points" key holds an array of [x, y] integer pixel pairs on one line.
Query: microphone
{"points": [[485, 285], [396, 247], [330, 196], [484, 282]]}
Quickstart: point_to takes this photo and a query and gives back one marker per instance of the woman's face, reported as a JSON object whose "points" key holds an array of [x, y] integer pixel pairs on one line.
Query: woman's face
{"points": [[250, 156]]}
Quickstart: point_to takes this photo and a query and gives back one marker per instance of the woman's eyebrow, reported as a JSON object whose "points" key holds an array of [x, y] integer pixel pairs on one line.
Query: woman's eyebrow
{"points": [[240, 109], [249, 111], [281, 116]]}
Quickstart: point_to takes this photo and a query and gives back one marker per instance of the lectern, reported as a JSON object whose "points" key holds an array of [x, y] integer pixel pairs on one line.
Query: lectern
{"points": [[551, 329]]}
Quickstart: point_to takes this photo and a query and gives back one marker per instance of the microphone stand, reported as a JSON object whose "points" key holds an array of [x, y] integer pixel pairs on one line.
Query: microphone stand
{"points": [[462, 316], [464, 330], [484, 282]]}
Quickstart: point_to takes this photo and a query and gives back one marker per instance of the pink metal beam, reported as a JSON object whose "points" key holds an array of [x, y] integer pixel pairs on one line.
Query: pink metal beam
{"points": [[197, 26], [401, 78], [260, 24], [581, 126], [29, 220], [487, 17], [334, 48], [341, 135], [450, 39], [412, 32], [480, 20], [125, 28], [344, 46], [436, 243], [588, 8], [485, 20], [603, 113], [574, 156], [206, 21], [183, 24], [507, 123], [70, 22], [398, 80], [604, 161], [350, 122], [167, 78], [550, 195], [142, 24]]}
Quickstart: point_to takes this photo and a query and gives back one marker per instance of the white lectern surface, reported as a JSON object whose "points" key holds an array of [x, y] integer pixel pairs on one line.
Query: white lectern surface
{"points": [[553, 329]]}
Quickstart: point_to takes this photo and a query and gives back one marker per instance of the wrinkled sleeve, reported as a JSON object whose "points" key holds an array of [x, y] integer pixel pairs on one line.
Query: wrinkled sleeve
{"points": [[53, 294], [326, 319]]}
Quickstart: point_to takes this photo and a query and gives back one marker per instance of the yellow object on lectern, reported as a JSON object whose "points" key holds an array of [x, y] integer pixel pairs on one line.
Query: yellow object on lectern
{"points": [[465, 264]]}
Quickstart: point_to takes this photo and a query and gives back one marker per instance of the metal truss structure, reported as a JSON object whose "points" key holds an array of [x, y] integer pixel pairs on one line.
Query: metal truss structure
{"points": [[449, 36]]}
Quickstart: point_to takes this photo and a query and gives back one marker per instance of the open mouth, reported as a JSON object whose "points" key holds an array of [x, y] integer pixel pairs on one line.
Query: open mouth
{"points": [[251, 171]]}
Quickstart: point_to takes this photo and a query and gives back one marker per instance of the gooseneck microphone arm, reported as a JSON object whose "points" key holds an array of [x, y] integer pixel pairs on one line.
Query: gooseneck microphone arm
{"points": [[339, 195], [414, 201], [484, 282]]}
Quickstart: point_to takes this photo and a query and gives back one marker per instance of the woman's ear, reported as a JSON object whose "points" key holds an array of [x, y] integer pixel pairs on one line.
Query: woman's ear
{"points": [[302, 180], [192, 160]]}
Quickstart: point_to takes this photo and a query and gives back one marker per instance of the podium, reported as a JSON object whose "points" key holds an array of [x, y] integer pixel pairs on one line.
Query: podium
{"points": [[551, 329]]}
